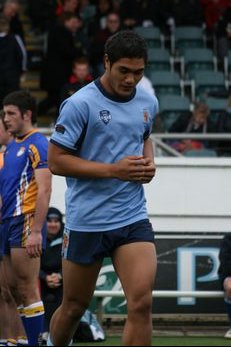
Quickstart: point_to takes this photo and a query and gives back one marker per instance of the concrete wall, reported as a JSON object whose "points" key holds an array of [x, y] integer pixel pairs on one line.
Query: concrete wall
{"points": [[187, 194]]}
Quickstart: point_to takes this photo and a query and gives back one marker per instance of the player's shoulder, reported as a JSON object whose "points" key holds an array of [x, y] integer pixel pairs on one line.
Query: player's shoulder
{"points": [[85, 93], [37, 137]]}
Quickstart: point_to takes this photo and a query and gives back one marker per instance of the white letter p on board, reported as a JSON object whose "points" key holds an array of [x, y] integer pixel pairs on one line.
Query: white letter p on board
{"points": [[186, 270]]}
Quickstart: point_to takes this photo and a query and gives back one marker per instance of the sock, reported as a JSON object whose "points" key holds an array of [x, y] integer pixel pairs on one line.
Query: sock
{"points": [[34, 318], [11, 342], [228, 309], [49, 342], [22, 341]]}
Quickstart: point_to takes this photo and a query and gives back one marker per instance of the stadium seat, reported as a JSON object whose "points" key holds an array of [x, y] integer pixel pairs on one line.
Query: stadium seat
{"points": [[166, 82], [171, 107], [187, 37], [159, 59], [197, 59], [216, 106], [152, 35], [208, 81]]}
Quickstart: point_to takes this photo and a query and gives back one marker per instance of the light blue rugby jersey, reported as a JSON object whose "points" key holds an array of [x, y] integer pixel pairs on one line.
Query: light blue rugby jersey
{"points": [[99, 127]]}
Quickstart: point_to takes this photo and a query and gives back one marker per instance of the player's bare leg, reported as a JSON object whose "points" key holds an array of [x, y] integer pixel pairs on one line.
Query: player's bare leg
{"points": [[135, 264]]}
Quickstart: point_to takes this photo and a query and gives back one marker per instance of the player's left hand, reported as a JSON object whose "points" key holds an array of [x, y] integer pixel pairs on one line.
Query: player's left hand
{"points": [[34, 245], [148, 172]]}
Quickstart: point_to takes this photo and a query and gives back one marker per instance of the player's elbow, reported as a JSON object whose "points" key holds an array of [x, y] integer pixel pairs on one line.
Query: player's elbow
{"points": [[53, 167]]}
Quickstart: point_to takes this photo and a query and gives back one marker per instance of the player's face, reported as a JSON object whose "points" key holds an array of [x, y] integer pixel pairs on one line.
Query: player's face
{"points": [[124, 75], [13, 119]]}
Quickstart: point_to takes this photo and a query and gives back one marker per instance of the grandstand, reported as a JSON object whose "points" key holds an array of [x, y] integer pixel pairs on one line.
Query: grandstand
{"points": [[183, 62]]}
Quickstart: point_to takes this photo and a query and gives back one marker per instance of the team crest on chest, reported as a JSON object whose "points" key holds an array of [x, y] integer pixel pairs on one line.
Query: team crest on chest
{"points": [[105, 116], [21, 151]]}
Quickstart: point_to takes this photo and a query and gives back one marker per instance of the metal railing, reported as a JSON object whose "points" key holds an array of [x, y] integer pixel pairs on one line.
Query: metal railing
{"points": [[101, 294], [159, 140]]}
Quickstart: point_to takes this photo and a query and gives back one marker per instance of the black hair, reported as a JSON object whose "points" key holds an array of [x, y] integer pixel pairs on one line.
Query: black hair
{"points": [[23, 100], [53, 212], [125, 44], [65, 16]]}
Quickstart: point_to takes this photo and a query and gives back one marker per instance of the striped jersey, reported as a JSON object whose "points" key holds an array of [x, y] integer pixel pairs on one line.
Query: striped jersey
{"points": [[18, 188]]}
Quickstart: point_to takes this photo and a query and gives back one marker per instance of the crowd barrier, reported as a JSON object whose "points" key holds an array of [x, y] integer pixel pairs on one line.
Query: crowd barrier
{"points": [[101, 294]]}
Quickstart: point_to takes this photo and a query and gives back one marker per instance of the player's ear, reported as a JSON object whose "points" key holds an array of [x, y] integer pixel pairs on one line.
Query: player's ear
{"points": [[106, 62], [28, 115]]}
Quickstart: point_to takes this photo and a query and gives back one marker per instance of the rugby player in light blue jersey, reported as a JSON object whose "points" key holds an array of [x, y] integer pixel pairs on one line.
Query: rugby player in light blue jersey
{"points": [[101, 144]]}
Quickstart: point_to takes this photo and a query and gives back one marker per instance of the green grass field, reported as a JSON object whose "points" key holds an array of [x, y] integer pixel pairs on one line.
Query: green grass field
{"points": [[168, 341]]}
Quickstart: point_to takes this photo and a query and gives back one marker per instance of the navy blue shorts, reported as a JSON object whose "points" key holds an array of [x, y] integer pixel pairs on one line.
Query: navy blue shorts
{"points": [[89, 247], [14, 232]]}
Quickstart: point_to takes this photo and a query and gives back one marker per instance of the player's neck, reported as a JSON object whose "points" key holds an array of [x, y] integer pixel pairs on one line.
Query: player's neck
{"points": [[25, 131]]}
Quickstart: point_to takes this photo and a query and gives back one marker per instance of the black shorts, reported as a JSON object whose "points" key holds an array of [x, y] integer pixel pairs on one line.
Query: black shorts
{"points": [[89, 247]]}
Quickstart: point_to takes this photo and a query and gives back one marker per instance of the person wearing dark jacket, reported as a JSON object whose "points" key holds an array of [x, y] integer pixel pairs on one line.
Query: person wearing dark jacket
{"points": [[10, 10], [224, 273], [223, 33], [57, 64], [13, 59], [196, 122], [51, 265]]}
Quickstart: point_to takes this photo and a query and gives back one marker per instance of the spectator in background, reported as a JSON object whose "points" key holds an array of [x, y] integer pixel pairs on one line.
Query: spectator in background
{"points": [[98, 22], [80, 77], [213, 10], [169, 14], [185, 13], [81, 39], [224, 273], [223, 33], [98, 42], [13, 59], [130, 12], [10, 11], [194, 122], [42, 15], [57, 63], [67, 6], [138, 12], [51, 266]]}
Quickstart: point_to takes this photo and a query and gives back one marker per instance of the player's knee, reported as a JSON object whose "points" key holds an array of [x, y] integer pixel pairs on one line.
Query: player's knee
{"points": [[75, 310], [141, 305]]}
